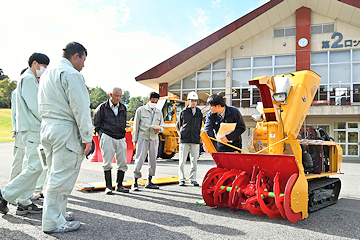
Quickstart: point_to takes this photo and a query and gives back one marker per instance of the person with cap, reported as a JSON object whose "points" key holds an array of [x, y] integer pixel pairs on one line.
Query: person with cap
{"points": [[66, 134], [222, 113], [189, 126], [148, 123], [110, 124], [28, 128]]}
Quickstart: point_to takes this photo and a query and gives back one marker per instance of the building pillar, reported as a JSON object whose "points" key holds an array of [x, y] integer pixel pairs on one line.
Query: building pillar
{"points": [[228, 89], [303, 33], [163, 89]]}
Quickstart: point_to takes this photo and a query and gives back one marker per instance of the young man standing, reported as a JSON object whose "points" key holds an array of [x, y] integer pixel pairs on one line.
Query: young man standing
{"points": [[28, 129], [189, 126], [66, 130], [148, 123], [221, 113], [110, 124]]}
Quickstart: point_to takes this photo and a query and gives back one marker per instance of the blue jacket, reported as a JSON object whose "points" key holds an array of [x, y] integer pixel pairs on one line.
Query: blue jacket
{"points": [[232, 115]]}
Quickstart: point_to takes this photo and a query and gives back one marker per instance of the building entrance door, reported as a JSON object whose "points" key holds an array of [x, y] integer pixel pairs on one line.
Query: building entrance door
{"points": [[353, 140]]}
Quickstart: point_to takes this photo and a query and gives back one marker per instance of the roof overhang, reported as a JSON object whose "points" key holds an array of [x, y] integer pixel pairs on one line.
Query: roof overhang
{"points": [[215, 45]]}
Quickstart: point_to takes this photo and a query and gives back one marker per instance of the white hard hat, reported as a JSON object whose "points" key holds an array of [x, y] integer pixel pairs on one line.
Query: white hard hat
{"points": [[192, 95]]}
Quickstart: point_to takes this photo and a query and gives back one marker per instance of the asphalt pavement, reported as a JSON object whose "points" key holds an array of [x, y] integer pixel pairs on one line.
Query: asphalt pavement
{"points": [[172, 212]]}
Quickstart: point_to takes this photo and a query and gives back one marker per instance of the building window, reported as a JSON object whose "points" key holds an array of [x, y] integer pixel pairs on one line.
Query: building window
{"points": [[322, 28], [284, 32], [340, 76], [208, 80], [245, 69], [346, 134]]}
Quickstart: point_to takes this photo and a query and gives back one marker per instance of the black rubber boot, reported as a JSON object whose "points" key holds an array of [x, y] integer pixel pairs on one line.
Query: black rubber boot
{"points": [[150, 185], [119, 180], [108, 182]]}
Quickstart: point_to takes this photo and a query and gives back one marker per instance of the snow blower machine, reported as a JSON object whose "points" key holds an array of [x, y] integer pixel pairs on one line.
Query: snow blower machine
{"points": [[287, 171]]}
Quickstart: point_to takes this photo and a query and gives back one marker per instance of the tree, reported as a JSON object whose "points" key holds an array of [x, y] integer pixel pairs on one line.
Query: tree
{"points": [[6, 88], [135, 103], [97, 96], [125, 99]]}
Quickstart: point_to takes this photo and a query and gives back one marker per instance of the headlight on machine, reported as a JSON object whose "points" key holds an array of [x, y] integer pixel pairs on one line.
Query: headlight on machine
{"points": [[280, 97]]}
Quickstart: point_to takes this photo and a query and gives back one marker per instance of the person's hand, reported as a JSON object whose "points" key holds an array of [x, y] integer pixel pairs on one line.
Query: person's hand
{"points": [[157, 130], [87, 147], [205, 148], [224, 139]]}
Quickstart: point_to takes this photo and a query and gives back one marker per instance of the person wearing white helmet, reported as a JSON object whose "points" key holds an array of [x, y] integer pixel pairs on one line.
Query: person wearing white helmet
{"points": [[189, 125]]}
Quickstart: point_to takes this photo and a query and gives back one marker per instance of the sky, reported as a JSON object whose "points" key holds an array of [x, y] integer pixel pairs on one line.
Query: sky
{"points": [[124, 38]]}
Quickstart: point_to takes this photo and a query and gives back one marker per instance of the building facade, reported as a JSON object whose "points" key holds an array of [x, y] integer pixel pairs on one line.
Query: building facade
{"points": [[280, 37]]}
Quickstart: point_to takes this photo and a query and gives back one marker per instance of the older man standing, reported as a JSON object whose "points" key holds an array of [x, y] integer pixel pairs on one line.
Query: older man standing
{"points": [[66, 129], [110, 124]]}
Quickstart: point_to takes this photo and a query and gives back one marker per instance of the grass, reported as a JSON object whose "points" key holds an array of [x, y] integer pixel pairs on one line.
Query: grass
{"points": [[5, 126]]}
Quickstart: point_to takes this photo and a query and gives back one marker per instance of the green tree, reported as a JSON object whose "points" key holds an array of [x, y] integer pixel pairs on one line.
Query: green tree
{"points": [[135, 103], [6, 87], [125, 99], [97, 96]]}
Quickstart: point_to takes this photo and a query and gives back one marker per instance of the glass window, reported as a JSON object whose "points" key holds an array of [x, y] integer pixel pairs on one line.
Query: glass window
{"points": [[316, 29], [353, 150], [339, 56], [356, 55], [203, 96], [208, 67], [320, 57], [290, 32], [176, 85], [352, 125], [356, 72], [262, 72], [340, 73], [356, 94], [262, 61], [241, 78], [322, 71], [340, 136], [325, 127], [328, 28], [278, 33], [177, 93], [241, 62], [256, 96], [285, 60], [286, 70], [203, 79], [219, 64], [219, 79], [340, 125], [189, 82]]}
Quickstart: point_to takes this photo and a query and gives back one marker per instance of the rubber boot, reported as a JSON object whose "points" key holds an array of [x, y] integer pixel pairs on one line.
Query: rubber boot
{"points": [[150, 185], [119, 180], [108, 182]]}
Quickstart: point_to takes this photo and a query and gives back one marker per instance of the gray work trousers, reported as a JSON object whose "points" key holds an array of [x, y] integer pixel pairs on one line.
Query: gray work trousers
{"points": [[64, 153], [142, 148], [109, 147], [194, 155], [18, 153], [22, 187]]}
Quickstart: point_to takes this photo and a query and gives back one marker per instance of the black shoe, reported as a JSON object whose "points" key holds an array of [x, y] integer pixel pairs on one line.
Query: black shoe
{"points": [[32, 208], [108, 191], [135, 187], [182, 183], [122, 189], [194, 183], [3, 205], [150, 185]]}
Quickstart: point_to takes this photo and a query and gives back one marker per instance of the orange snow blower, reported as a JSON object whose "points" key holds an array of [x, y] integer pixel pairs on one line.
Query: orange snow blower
{"points": [[287, 174]]}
